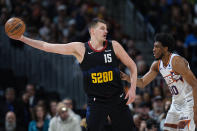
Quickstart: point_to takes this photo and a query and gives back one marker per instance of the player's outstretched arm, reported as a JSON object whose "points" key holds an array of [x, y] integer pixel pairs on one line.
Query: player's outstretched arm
{"points": [[180, 66], [146, 79], [66, 49], [73, 48], [126, 60]]}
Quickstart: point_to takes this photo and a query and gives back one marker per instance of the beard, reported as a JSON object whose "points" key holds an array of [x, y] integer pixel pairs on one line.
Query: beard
{"points": [[10, 126], [160, 57]]}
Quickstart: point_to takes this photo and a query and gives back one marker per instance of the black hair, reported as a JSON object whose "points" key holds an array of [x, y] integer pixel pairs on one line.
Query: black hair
{"points": [[35, 110], [151, 123], [166, 40], [95, 21]]}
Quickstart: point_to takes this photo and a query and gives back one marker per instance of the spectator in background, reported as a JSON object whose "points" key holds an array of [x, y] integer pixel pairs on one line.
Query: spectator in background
{"points": [[143, 126], [141, 67], [4, 15], [152, 125], [144, 110], [30, 88], [147, 98], [136, 103], [190, 40], [157, 91], [137, 120], [190, 46], [52, 109], [64, 121], [69, 104], [157, 108], [10, 123], [132, 51], [24, 115], [8, 104], [180, 47], [164, 114], [40, 123], [45, 30], [42, 102], [83, 124], [33, 99]]}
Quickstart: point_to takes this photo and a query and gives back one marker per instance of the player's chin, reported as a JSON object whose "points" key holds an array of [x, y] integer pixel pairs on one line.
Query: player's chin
{"points": [[157, 58]]}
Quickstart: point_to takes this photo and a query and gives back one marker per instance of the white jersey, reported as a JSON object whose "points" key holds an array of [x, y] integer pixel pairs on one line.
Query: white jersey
{"points": [[181, 108], [181, 91]]}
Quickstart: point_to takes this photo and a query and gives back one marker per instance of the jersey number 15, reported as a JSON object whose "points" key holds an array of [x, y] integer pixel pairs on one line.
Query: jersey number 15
{"points": [[107, 58]]}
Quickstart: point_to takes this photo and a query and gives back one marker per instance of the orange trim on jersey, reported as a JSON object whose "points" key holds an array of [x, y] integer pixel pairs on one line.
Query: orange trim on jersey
{"points": [[173, 80], [158, 65], [186, 123], [171, 125]]}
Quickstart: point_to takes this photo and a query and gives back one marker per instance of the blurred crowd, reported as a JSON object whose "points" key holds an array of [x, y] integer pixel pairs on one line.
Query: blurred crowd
{"points": [[34, 112], [62, 21], [178, 17]]}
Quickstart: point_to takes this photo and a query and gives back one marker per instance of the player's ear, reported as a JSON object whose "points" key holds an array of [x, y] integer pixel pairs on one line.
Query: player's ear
{"points": [[91, 30]]}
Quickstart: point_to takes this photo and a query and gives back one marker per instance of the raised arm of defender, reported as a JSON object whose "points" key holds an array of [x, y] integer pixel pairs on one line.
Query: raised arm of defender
{"points": [[74, 48], [147, 78]]}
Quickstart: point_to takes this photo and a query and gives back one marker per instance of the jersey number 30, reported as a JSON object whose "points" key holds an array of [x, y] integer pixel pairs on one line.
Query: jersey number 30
{"points": [[173, 90]]}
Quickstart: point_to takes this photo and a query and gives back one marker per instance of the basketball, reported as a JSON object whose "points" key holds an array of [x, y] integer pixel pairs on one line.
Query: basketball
{"points": [[14, 27]]}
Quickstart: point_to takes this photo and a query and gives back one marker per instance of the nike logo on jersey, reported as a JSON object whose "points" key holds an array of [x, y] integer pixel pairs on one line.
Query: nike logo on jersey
{"points": [[107, 50], [184, 118], [189, 100], [90, 53]]}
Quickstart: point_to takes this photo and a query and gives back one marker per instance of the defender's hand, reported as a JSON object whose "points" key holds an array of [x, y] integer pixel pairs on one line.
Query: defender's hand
{"points": [[124, 76]]}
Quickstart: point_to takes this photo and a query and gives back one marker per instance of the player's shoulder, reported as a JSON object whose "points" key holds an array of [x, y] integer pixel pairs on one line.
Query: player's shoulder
{"points": [[155, 65], [178, 60], [180, 65], [114, 42], [78, 45], [178, 57]]}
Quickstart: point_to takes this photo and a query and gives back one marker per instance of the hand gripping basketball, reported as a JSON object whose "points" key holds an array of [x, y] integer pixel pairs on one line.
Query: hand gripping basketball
{"points": [[15, 28]]}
